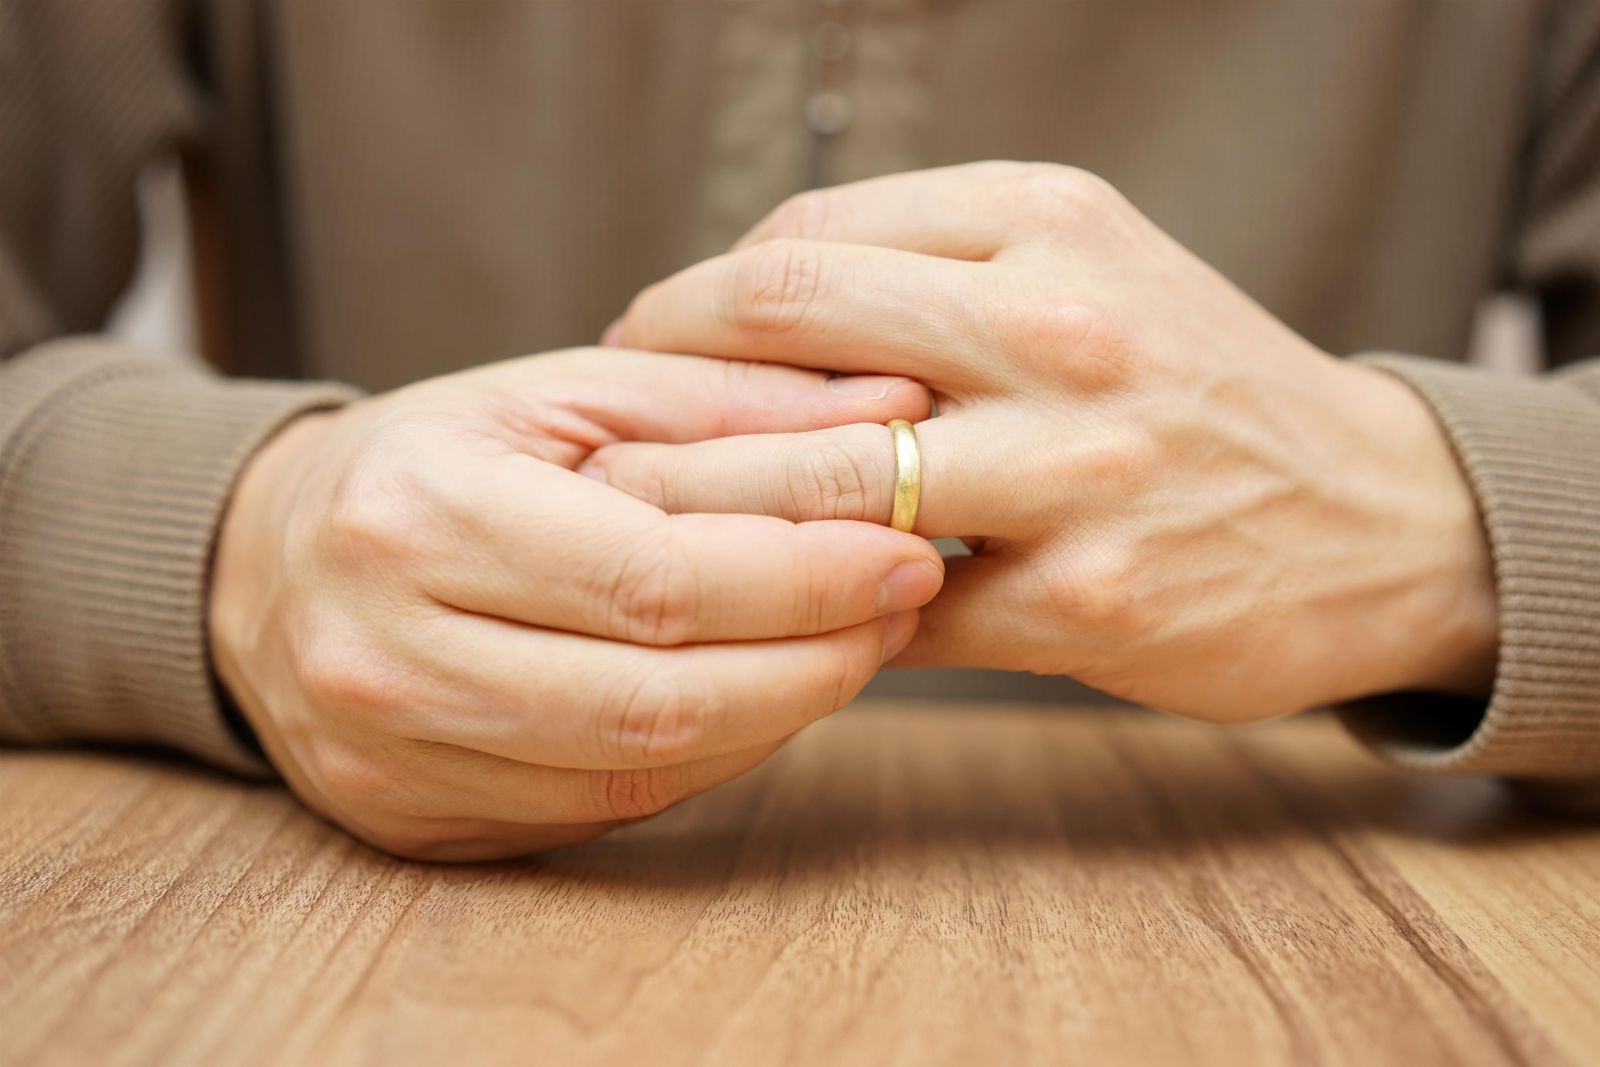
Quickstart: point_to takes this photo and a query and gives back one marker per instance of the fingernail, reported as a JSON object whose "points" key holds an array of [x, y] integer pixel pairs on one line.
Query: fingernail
{"points": [[898, 633], [592, 470], [865, 386], [910, 584], [613, 335]]}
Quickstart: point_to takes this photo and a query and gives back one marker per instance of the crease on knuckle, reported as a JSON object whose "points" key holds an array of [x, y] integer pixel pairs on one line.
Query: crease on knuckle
{"points": [[816, 591], [657, 718], [652, 477], [653, 595], [776, 288], [850, 670], [636, 792], [740, 380], [828, 481]]}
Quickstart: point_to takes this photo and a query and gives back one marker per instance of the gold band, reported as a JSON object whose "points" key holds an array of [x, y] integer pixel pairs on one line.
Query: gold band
{"points": [[907, 475]]}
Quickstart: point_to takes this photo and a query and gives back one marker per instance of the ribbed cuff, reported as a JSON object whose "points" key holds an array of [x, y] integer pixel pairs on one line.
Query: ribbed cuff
{"points": [[114, 472], [1530, 448]]}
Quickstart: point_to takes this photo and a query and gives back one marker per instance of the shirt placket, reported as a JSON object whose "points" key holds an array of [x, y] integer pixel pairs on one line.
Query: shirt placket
{"points": [[829, 109], [868, 108], [809, 93]]}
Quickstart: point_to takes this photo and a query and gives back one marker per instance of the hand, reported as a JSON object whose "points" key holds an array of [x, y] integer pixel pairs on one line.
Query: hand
{"points": [[1174, 497], [457, 648]]}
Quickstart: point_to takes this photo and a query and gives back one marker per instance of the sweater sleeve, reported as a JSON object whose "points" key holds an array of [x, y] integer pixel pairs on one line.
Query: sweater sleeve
{"points": [[1530, 448], [115, 466], [1531, 453], [114, 472]]}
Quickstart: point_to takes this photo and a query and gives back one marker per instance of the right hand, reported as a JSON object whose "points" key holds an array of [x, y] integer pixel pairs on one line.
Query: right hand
{"points": [[458, 648]]}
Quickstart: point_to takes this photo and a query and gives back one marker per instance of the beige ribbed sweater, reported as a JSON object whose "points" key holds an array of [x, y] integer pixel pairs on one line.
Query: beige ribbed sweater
{"points": [[387, 191]]}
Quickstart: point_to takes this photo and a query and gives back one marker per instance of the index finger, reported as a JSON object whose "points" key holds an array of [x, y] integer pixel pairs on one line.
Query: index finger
{"points": [[850, 308], [959, 212]]}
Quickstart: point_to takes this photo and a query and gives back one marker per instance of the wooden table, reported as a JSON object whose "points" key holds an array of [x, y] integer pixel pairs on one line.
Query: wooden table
{"points": [[903, 884]]}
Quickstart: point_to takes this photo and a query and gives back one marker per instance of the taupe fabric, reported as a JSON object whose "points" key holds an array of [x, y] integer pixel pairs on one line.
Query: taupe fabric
{"points": [[115, 474], [388, 191]]}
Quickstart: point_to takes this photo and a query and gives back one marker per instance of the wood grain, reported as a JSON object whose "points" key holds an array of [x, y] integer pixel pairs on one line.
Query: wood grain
{"points": [[903, 884]]}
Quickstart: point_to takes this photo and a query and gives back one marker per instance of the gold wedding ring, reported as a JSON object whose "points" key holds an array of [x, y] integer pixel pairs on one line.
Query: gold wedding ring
{"points": [[907, 475]]}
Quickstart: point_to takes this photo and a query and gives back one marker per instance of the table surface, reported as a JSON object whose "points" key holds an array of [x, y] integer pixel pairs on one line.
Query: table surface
{"points": [[903, 884]]}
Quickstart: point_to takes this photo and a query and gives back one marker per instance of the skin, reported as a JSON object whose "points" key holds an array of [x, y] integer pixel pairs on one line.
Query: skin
{"points": [[1171, 495], [457, 648]]}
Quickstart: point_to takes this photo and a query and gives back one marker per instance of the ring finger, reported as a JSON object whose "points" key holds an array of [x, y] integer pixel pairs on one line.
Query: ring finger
{"points": [[969, 486]]}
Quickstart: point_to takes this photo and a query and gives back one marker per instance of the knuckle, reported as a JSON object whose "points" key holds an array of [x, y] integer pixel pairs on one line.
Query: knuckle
{"points": [[658, 719], [374, 516], [990, 171], [1118, 464], [805, 215], [1077, 341], [816, 593], [340, 675], [371, 781], [654, 595], [776, 287], [829, 481], [636, 793], [835, 678], [846, 675], [653, 474], [740, 378], [1093, 591], [1068, 194]]}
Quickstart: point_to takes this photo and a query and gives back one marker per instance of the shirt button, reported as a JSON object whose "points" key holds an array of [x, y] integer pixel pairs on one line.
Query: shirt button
{"points": [[828, 113], [830, 41]]}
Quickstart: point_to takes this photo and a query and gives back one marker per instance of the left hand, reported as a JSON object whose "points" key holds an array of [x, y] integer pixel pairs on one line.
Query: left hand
{"points": [[1172, 496]]}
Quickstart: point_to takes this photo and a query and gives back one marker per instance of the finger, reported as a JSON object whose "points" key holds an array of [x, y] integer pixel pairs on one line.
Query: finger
{"points": [[601, 395], [559, 700], [968, 486], [614, 567], [471, 840], [498, 841], [982, 619], [961, 212], [849, 307], [973, 211], [459, 784]]}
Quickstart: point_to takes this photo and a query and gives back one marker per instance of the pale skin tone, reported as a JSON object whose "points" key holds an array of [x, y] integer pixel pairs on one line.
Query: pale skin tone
{"points": [[457, 648], [1171, 496]]}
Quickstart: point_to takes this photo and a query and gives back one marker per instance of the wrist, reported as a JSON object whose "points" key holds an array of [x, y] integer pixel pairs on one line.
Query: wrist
{"points": [[1443, 613], [247, 559]]}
